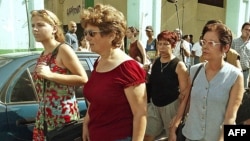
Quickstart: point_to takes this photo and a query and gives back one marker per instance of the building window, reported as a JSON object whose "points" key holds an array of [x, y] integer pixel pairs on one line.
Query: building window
{"points": [[218, 3]]}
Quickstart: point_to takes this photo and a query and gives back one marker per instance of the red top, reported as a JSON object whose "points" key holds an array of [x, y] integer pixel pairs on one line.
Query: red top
{"points": [[110, 113], [59, 99], [134, 52]]}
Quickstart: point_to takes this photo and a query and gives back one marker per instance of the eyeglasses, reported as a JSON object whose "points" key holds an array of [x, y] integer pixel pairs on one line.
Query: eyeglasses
{"points": [[91, 33], [209, 43]]}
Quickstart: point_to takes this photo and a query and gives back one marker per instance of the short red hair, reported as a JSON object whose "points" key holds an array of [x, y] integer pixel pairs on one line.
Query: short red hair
{"points": [[169, 36]]}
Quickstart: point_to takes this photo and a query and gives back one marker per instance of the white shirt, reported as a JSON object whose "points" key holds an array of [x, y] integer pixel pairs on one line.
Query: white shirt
{"points": [[176, 50], [197, 49]]}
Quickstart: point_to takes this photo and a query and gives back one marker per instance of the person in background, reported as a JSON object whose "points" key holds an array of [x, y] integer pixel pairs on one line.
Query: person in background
{"points": [[242, 46], [152, 53], [233, 57], [191, 40], [151, 49], [187, 38], [136, 49], [84, 45], [116, 88], [189, 60], [216, 92], [182, 49], [168, 80], [59, 73], [196, 52], [71, 37]]}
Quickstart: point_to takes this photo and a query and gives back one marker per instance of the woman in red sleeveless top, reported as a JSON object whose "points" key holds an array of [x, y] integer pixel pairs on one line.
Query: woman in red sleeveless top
{"points": [[136, 50]]}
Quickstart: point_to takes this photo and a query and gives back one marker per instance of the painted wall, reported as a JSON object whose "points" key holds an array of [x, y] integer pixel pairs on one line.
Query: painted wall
{"points": [[192, 16], [234, 19], [121, 5], [72, 11], [66, 10], [14, 20]]}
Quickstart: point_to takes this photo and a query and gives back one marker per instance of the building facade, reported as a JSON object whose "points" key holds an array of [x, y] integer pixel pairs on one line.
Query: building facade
{"points": [[189, 15]]}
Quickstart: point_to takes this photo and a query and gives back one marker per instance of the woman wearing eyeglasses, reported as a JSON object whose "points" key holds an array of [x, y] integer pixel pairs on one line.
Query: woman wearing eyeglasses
{"points": [[57, 71], [116, 88], [216, 93], [231, 56]]}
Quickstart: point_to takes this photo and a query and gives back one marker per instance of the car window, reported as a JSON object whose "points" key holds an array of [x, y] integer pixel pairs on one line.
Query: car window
{"points": [[23, 90], [86, 67], [93, 60]]}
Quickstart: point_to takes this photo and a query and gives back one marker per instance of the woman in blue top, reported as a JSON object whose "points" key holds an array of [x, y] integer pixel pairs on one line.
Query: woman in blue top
{"points": [[216, 93]]}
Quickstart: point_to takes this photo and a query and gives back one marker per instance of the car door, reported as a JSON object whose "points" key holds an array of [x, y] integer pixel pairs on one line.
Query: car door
{"points": [[21, 103]]}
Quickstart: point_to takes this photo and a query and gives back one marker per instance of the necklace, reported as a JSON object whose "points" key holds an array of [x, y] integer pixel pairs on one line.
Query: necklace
{"points": [[163, 67]]}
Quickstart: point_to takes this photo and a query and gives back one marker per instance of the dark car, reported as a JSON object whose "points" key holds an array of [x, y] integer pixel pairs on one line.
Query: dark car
{"points": [[18, 98]]}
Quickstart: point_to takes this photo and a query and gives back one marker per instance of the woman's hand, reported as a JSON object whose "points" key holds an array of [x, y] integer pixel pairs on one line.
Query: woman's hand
{"points": [[43, 70], [146, 67], [172, 134], [172, 130]]}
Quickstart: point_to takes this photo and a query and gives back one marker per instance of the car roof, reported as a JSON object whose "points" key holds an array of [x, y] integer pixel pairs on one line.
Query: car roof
{"points": [[11, 62], [6, 58]]}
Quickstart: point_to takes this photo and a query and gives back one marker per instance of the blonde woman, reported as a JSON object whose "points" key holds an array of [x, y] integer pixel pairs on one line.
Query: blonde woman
{"points": [[55, 75]]}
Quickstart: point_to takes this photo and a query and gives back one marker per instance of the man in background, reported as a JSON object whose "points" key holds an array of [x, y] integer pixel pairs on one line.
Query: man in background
{"points": [[182, 49], [70, 36], [242, 46], [196, 52], [151, 49]]}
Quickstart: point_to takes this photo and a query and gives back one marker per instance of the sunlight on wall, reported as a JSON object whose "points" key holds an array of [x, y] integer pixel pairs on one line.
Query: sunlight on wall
{"points": [[14, 25]]}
